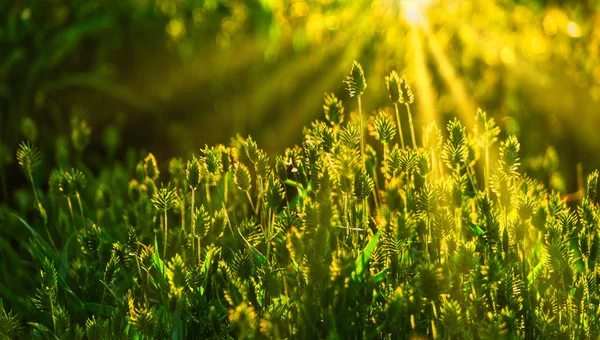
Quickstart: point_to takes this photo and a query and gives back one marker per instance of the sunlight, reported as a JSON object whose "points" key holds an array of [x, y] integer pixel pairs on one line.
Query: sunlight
{"points": [[414, 11]]}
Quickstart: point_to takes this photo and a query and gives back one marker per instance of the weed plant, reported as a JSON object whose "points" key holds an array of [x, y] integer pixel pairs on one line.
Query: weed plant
{"points": [[336, 238]]}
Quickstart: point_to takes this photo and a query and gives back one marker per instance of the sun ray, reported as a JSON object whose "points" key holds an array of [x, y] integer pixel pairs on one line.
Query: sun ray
{"points": [[466, 108], [304, 110], [425, 94]]}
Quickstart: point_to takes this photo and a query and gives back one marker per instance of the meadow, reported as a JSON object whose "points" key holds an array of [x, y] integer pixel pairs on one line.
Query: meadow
{"points": [[343, 236], [299, 169]]}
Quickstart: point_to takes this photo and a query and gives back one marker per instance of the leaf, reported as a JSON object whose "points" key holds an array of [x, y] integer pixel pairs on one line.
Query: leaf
{"points": [[262, 260], [207, 261], [43, 329], [64, 259], [159, 264], [46, 247], [363, 258], [535, 272], [177, 324], [381, 275]]}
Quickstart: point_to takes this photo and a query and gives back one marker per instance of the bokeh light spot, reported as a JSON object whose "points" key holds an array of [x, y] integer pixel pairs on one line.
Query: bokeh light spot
{"points": [[573, 30]]}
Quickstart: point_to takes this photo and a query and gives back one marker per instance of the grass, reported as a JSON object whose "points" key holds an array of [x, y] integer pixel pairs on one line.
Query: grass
{"points": [[336, 238]]}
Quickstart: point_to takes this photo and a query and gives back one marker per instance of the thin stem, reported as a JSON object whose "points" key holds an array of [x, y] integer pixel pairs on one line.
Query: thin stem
{"points": [[199, 253], [37, 199], [137, 261], [399, 125], [412, 128], [362, 146], [166, 237], [364, 165], [80, 207], [192, 216], [207, 193], [250, 200], [225, 180], [193, 205]]}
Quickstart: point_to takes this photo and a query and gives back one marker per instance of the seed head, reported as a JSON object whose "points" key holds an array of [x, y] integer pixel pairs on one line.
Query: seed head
{"points": [[356, 82], [363, 184], [486, 130], [71, 182], [176, 169], [80, 133], [393, 85], [509, 155], [151, 167], [455, 151], [192, 173], [164, 198], [29, 157], [242, 177], [201, 223], [382, 128], [334, 110], [274, 193], [406, 94]]}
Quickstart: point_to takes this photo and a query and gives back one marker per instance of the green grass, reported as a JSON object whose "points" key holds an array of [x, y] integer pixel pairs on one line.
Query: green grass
{"points": [[340, 237]]}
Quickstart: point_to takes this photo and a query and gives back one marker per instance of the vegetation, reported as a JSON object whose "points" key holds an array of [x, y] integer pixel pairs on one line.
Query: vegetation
{"points": [[341, 237]]}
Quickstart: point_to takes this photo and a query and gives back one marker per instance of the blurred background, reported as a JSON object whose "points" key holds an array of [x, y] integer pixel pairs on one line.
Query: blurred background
{"points": [[173, 75]]}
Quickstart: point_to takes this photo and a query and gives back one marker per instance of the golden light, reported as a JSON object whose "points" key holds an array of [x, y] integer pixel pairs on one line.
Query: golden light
{"points": [[414, 11]]}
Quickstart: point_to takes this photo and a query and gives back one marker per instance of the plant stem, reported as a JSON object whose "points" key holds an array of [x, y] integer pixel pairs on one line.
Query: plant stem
{"points": [[193, 206], [225, 180], [37, 199], [399, 125], [362, 146], [80, 207], [412, 128], [250, 200], [208, 193], [166, 237], [199, 253], [364, 165]]}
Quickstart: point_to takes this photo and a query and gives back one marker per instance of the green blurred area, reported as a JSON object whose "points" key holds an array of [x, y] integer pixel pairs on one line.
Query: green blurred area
{"points": [[173, 75]]}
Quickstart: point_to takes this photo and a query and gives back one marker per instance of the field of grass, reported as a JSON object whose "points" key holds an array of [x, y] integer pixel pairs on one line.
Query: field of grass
{"points": [[359, 232], [299, 169]]}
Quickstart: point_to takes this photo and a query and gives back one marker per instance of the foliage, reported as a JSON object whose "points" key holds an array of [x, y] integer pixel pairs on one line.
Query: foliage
{"points": [[313, 243]]}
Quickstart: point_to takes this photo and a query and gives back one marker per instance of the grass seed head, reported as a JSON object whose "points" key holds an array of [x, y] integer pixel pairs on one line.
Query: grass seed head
{"points": [[509, 155], [151, 167], [356, 83], [193, 173], [242, 177], [80, 133], [29, 157], [382, 127], [393, 85], [334, 110], [406, 94], [164, 198]]}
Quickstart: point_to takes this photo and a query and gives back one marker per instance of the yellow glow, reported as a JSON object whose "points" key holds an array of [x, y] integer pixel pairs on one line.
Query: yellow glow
{"points": [[549, 25], [414, 11], [573, 30]]}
